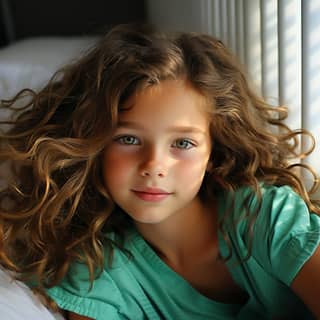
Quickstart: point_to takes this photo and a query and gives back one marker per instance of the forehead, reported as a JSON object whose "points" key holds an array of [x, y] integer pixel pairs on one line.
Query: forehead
{"points": [[170, 101]]}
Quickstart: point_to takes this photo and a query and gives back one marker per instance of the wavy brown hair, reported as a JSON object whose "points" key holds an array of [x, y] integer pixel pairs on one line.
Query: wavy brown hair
{"points": [[54, 207]]}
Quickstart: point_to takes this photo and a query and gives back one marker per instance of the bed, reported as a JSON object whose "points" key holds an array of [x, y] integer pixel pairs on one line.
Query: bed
{"points": [[30, 62], [17, 302]]}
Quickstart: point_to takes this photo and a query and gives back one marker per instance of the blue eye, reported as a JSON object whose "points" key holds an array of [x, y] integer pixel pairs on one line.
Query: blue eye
{"points": [[183, 144], [128, 140]]}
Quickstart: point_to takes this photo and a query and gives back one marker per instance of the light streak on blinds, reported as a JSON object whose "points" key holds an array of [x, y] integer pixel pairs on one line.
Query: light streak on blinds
{"points": [[279, 42]]}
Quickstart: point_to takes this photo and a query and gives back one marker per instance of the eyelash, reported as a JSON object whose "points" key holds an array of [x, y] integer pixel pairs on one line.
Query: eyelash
{"points": [[188, 144], [121, 140]]}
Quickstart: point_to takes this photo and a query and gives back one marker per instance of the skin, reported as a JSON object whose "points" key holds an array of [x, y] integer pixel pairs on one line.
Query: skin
{"points": [[307, 283], [147, 152], [163, 141]]}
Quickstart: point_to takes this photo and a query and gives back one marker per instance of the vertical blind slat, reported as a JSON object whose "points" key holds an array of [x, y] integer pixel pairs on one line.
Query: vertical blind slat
{"points": [[252, 40], [206, 16], [231, 20], [216, 18], [240, 30], [279, 42], [224, 22], [311, 74], [269, 51], [289, 45]]}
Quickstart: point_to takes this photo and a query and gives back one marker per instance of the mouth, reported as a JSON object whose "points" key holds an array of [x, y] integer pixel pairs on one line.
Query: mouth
{"points": [[151, 194]]}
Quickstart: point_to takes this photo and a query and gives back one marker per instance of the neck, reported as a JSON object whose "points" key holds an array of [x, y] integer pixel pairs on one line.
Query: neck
{"points": [[191, 232]]}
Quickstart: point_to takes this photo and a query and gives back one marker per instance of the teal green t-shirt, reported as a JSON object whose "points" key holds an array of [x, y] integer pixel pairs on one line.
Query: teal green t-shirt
{"points": [[144, 287]]}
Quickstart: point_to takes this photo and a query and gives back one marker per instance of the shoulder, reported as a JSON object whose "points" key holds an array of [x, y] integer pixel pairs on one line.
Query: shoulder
{"points": [[282, 231], [274, 203], [285, 234], [284, 211], [77, 294], [277, 204], [113, 293]]}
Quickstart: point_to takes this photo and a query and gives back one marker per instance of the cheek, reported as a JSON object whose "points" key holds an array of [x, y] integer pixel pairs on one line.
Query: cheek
{"points": [[116, 169], [191, 171]]}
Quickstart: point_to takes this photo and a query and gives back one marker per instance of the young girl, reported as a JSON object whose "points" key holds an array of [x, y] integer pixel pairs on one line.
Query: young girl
{"points": [[148, 181]]}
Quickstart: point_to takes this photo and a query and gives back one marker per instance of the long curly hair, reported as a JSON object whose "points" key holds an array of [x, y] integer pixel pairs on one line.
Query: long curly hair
{"points": [[54, 207]]}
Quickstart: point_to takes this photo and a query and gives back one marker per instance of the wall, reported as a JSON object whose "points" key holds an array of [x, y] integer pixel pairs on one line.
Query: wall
{"points": [[65, 17], [180, 15]]}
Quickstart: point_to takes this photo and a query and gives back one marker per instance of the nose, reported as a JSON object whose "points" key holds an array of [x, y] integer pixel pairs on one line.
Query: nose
{"points": [[154, 164]]}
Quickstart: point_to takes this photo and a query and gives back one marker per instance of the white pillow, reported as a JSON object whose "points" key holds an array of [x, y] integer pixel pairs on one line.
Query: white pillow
{"points": [[17, 302], [29, 63]]}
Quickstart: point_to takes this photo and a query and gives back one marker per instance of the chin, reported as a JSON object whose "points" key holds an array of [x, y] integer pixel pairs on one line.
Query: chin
{"points": [[148, 218]]}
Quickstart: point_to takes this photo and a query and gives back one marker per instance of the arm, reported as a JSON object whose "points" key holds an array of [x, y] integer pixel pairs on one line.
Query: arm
{"points": [[74, 316], [307, 283]]}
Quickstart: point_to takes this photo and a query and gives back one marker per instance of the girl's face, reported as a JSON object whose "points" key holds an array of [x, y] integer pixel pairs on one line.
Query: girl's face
{"points": [[155, 164]]}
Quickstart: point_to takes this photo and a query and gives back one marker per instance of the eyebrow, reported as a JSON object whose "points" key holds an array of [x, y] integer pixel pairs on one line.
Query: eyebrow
{"points": [[179, 129]]}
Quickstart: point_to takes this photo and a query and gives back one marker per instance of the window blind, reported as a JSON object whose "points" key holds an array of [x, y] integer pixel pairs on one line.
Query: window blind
{"points": [[279, 43]]}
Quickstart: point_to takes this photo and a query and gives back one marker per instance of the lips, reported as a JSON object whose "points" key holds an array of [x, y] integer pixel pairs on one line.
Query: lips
{"points": [[151, 194]]}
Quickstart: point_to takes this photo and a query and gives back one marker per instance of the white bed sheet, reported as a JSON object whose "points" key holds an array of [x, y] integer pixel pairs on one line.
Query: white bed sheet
{"points": [[17, 302], [29, 63]]}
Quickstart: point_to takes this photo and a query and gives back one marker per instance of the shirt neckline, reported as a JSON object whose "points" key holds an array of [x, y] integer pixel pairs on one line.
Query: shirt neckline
{"points": [[186, 291]]}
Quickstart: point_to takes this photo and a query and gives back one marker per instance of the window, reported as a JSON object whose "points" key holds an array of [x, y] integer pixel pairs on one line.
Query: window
{"points": [[279, 42]]}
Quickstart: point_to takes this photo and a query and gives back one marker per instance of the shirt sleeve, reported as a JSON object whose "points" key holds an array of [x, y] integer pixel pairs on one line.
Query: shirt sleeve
{"points": [[101, 301], [286, 233]]}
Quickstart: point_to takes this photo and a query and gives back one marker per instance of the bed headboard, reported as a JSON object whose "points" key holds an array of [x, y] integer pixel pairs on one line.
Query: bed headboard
{"points": [[33, 18]]}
